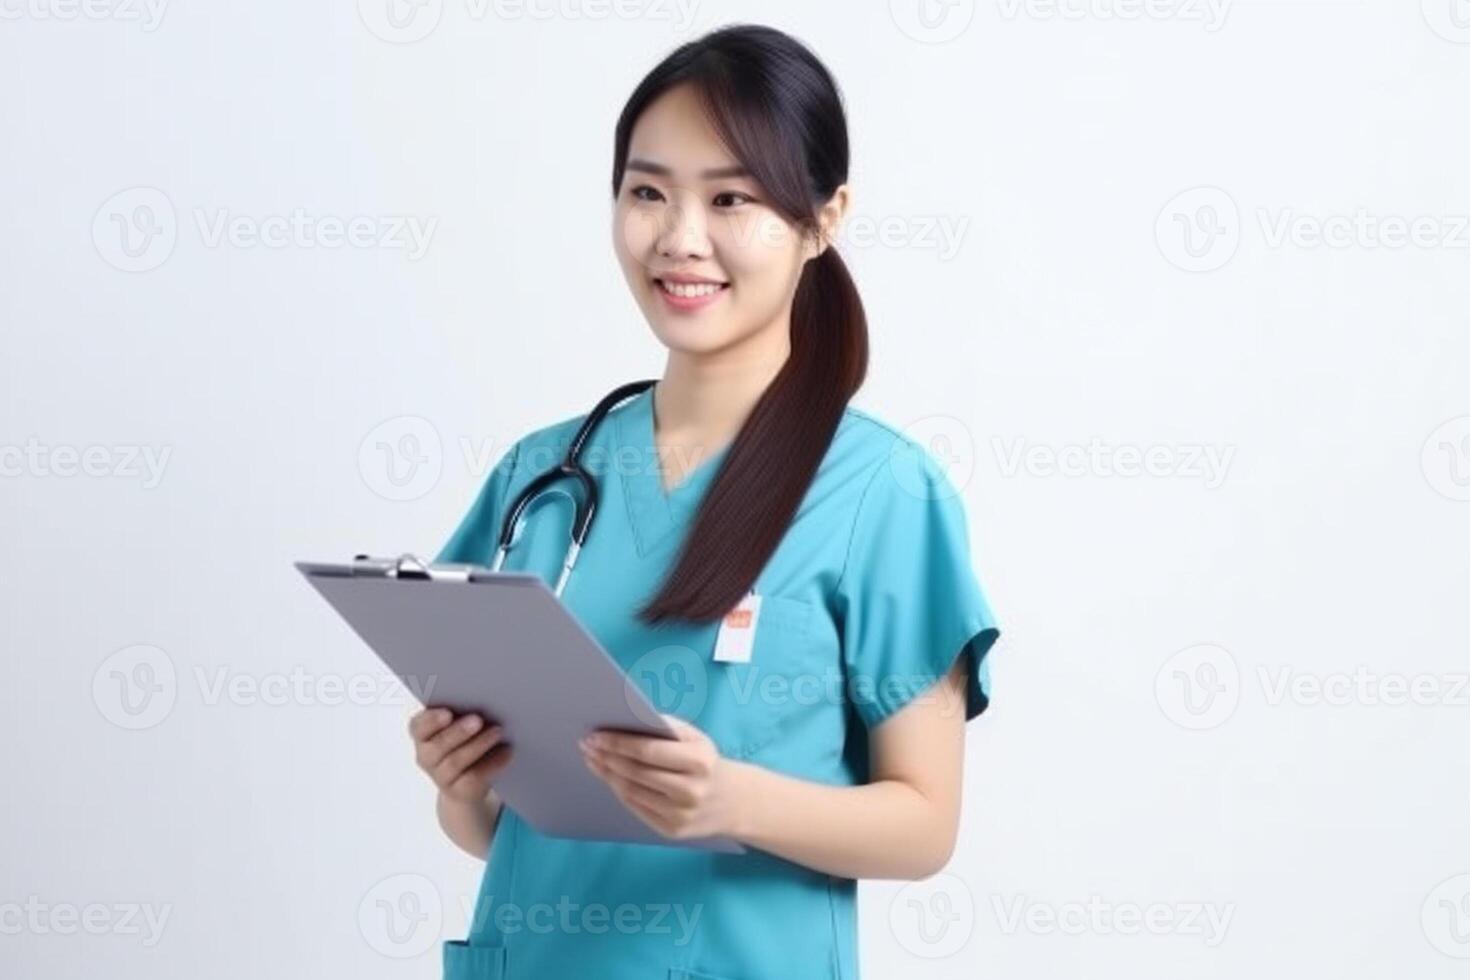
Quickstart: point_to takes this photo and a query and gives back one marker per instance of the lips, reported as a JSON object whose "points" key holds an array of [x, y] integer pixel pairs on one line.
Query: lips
{"points": [[689, 296], [690, 289]]}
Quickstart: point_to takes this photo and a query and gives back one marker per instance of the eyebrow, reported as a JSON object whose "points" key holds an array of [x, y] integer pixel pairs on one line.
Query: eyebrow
{"points": [[713, 173]]}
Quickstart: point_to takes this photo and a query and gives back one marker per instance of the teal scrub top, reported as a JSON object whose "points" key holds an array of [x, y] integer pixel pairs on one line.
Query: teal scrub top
{"points": [[865, 603]]}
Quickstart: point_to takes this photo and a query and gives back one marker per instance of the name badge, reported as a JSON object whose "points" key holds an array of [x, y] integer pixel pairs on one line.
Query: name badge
{"points": [[737, 631]]}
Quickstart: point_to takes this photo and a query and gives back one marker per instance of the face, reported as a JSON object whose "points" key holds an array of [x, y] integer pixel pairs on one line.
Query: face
{"points": [[713, 267]]}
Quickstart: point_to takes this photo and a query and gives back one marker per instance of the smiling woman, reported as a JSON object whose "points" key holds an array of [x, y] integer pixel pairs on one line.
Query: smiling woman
{"points": [[722, 226], [795, 594]]}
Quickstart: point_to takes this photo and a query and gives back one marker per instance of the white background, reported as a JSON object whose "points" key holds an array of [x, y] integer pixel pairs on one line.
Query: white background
{"points": [[1131, 268]]}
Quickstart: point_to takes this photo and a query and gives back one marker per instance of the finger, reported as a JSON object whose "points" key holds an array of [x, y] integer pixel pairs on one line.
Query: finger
{"points": [[480, 775], [617, 782], [428, 721], [450, 738], [662, 753], [685, 730], [650, 816], [674, 786], [627, 794], [456, 762], [652, 802], [653, 814]]}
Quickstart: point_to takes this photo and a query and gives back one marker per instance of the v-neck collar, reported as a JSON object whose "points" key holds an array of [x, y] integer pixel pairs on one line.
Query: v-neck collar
{"points": [[654, 513]]}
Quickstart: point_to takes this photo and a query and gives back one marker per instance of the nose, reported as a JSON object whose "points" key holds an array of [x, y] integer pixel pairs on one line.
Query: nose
{"points": [[684, 231]]}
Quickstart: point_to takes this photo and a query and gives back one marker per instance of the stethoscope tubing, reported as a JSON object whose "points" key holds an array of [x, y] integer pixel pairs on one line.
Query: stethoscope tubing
{"points": [[570, 467]]}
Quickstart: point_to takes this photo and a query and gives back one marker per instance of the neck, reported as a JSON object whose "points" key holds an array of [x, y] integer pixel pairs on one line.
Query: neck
{"points": [[704, 399]]}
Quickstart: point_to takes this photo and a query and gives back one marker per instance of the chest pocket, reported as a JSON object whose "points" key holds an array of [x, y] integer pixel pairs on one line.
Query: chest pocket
{"points": [[792, 665]]}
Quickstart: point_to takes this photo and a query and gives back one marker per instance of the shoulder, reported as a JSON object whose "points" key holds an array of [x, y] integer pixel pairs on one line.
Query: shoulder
{"points": [[862, 427], [906, 510], [879, 455], [553, 435], [541, 447]]}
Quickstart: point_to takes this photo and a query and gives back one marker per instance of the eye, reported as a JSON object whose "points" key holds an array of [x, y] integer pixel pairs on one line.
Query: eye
{"points": [[744, 198], [637, 193]]}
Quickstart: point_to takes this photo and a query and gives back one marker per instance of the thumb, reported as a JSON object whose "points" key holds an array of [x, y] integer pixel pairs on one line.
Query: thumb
{"points": [[682, 728]]}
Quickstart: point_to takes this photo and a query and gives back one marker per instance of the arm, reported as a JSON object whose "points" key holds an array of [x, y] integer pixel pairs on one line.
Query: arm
{"points": [[469, 825], [901, 824], [463, 758]]}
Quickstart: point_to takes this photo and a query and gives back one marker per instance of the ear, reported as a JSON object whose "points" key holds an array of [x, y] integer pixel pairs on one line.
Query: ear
{"points": [[829, 220]]}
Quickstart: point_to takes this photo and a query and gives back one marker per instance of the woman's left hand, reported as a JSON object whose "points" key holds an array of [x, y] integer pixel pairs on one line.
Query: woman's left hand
{"points": [[680, 787]]}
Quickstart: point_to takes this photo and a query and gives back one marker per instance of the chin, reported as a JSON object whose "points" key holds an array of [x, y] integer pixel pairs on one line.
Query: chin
{"points": [[690, 337]]}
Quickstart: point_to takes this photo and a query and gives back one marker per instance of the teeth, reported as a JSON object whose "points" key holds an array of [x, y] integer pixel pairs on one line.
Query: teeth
{"points": [[688, 290]]}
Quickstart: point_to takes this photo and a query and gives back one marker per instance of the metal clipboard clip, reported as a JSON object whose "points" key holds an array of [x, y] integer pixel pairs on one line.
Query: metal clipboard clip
{"points": [[408, 566]]}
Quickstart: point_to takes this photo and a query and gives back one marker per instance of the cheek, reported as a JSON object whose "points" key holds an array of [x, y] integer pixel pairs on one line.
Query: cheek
{"points": [[634, 235], [758, 236], [759, 256]]}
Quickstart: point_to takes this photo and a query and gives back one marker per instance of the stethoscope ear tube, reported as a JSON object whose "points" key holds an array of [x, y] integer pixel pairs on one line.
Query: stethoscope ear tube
{"points": [[569, 467]]}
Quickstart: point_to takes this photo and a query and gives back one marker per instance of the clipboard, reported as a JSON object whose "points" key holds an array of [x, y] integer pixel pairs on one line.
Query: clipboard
{"points": [[503, 645]]}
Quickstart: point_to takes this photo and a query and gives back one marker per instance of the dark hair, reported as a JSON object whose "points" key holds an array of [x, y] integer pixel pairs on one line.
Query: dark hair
{"points": [[780, 114]]}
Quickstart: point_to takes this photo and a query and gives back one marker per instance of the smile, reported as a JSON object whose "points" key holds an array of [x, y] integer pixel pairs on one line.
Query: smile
{"points": [[690, 295], [691, 288]]}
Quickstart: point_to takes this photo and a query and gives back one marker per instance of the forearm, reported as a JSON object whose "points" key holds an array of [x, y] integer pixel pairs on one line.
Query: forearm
{"points": [[882, 829], [470, 825]]}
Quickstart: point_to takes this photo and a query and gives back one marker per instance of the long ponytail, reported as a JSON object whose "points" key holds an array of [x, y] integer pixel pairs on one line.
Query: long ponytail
{"points": [[780, 112]]}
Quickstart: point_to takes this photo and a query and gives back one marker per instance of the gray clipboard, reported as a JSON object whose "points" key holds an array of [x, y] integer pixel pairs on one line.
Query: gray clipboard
{"points": [[503, 645]]}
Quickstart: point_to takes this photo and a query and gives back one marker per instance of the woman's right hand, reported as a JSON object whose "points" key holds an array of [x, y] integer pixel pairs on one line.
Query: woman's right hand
{"points": [[460, 754]]}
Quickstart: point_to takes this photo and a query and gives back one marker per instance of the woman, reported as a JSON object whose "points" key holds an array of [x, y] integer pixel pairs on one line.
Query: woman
{"points": [[834, 752]]}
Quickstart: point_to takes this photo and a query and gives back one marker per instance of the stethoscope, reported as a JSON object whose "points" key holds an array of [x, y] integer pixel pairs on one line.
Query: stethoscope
{"points": [[570, 466]]}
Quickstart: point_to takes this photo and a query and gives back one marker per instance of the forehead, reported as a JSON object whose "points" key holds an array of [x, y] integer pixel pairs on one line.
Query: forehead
{"points": [[674, 135]]}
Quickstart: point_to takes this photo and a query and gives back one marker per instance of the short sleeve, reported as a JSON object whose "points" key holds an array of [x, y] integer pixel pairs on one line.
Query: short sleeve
{"points": [[908, 598], [474, 541]]}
